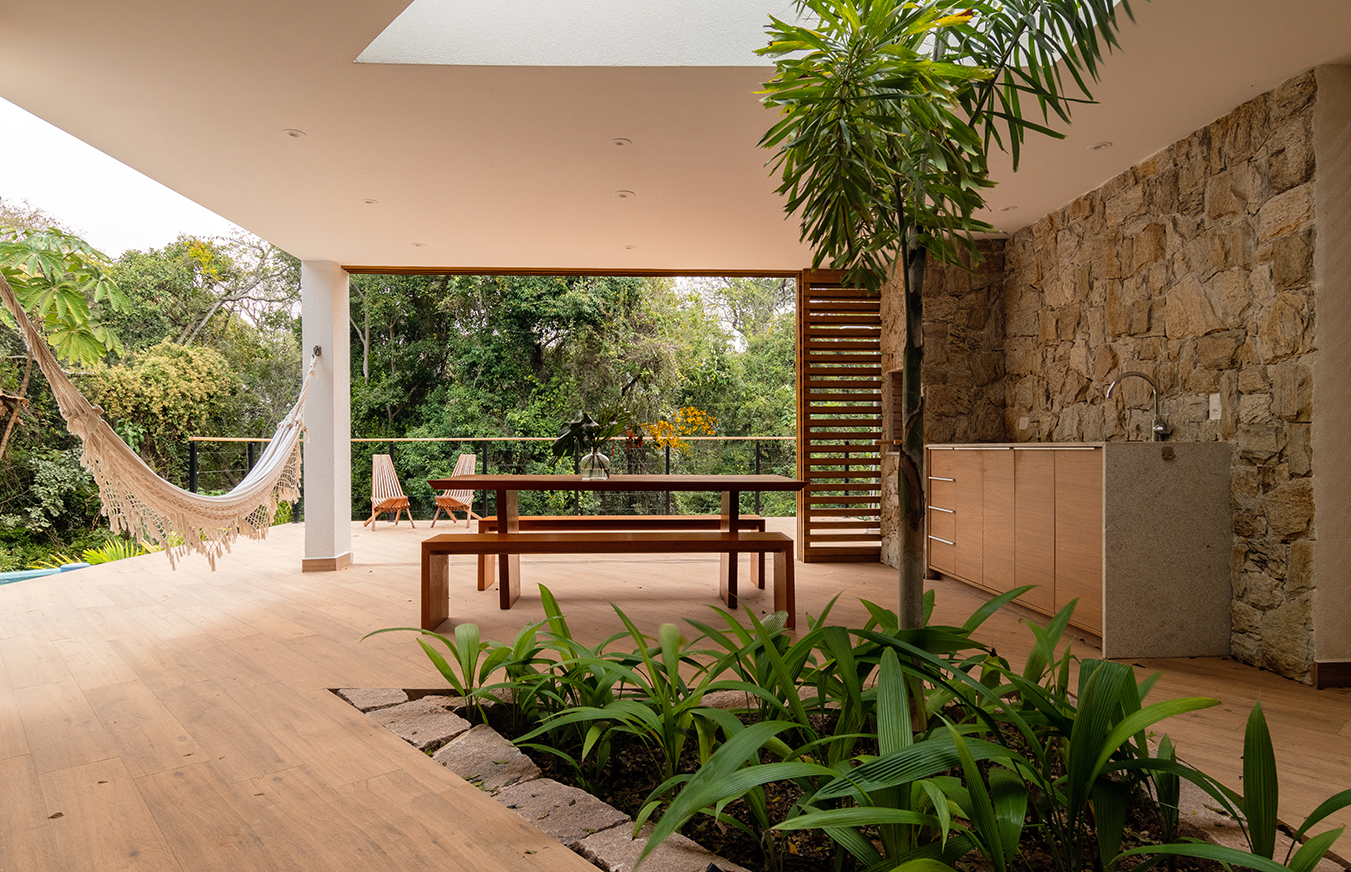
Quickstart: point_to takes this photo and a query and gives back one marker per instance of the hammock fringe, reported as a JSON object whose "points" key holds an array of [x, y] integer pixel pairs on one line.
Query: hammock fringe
{"points": [[143, 505]]}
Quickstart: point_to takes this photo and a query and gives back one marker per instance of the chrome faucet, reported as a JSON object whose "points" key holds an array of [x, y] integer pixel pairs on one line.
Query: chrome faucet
{"points": [[1157, 428]]}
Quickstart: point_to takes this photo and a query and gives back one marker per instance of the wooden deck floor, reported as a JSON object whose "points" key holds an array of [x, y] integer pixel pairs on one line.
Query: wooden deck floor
{"points": [[182, 720]]}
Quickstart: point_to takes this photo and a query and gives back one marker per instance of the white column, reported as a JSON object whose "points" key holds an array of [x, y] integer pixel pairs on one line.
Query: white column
{"points": [[328, 418]]}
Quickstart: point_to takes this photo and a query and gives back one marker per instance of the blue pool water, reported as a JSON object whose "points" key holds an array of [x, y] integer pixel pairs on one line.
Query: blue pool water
{"points": [[24, 575]]}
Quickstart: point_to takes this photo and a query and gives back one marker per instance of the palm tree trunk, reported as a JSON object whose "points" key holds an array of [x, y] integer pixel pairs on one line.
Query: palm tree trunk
{"points": [[910, 487]]}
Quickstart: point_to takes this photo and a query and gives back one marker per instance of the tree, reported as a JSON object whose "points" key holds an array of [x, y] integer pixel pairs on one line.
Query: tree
{"points": [[888, 109], [59, 280], [197, 290]]}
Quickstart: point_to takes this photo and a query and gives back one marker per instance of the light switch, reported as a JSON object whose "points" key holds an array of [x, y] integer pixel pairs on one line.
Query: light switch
{"points": [[1214, 407]]}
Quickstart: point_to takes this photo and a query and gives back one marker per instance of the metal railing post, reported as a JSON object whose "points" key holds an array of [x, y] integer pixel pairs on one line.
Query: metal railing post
{"points": [[192, 466], [248, 448], [757, 472], [486, 459]]}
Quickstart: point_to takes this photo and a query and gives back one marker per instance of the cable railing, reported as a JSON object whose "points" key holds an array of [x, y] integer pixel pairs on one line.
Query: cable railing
{"points": [[216, 464]]}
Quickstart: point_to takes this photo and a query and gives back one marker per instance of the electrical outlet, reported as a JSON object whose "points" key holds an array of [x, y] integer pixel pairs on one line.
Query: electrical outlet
{"points": [[1214, 407], [1022, 423]]}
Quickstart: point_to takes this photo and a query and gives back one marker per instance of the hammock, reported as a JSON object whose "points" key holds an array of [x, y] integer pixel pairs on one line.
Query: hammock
{"points": [[145, 506]]}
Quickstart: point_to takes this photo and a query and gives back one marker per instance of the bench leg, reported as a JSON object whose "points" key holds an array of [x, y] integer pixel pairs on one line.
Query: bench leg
{"points": [[487, 564], [784, 599], [758, 569], [435, 589]]}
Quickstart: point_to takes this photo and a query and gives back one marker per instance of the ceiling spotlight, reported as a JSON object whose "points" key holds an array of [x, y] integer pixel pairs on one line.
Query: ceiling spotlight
{"points": [[625, 195], [419, 244], [620, 142], [293, 133], [369, 201], [1099, 146], [630, 247], [1009, 209]]}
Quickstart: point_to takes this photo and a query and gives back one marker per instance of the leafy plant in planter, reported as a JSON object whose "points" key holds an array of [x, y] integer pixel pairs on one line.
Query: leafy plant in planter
{"points": [[1000, 761], [1255, 810], [584, 437]]}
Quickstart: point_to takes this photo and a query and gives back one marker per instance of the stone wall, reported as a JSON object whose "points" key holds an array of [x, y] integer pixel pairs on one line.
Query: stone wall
{"points": [[963, 362], [1194, 267]]}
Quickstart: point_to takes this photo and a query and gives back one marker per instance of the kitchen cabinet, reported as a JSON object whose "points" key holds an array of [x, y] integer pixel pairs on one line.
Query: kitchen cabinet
{"points": [[1138, 533]]}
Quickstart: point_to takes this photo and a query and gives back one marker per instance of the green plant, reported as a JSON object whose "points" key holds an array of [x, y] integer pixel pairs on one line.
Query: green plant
{"points": [[1256, 811], [586, 435], [467, 652], [652, 700], [115, 548], [819, 693]]}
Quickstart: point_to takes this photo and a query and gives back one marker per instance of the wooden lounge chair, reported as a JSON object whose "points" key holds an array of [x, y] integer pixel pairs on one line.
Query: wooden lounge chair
{"points": [[452, 501], [386, 493]]}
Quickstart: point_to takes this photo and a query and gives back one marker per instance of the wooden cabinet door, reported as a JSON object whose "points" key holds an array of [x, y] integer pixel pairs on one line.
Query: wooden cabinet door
{"points": [[1078, 535], [969, 511], [1034, 525], [997, 513]]}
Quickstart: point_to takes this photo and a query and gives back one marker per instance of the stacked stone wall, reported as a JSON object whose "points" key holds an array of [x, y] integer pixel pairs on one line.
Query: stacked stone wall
{"points": [[963, 362], [1196, 268]]}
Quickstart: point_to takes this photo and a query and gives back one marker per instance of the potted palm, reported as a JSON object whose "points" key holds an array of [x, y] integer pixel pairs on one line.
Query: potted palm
{"points": [[584, 437]]}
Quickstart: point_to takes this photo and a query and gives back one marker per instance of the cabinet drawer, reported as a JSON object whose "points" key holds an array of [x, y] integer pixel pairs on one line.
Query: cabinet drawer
{"points": [[942, 556], [942, 524], [942, 493], [940, 462]]}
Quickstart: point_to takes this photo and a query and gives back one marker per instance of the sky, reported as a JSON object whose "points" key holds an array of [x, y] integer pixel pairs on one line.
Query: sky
{"points": [[112, 206]]}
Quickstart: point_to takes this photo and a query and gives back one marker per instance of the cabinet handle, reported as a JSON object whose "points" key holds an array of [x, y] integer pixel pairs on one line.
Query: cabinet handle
{"points": [[944, 541], [941, 509], [940, 478]]}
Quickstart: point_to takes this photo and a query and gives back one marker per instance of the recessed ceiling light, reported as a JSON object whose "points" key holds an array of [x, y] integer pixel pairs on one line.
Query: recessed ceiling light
{"points": [[419, 244], [625, 195], [620, 142], [293, 133], [1009, 209], [1099, 146], [369, 201], [630, 247]]}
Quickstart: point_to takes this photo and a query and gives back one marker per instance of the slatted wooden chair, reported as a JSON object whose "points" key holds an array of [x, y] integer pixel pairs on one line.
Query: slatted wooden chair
{"points": [[453, 501], [386, 492]]}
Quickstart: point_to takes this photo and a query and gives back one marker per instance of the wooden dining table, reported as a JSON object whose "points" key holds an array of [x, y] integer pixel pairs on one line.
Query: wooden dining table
{"points": [[508, 486]]}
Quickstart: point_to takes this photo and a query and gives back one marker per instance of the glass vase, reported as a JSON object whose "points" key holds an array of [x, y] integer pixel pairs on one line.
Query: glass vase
{"points": [[594, 466]]}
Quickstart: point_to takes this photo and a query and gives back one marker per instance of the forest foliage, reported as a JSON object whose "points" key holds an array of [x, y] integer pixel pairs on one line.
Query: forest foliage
{"points": [[208, 344]]}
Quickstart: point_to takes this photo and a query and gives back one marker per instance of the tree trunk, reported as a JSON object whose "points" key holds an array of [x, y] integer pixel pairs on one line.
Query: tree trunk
{"points": [[14, 415], [910, 487]]}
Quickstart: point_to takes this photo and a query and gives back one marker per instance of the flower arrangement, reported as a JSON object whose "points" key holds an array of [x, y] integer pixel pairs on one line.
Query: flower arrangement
{"points": [[687, 421]]}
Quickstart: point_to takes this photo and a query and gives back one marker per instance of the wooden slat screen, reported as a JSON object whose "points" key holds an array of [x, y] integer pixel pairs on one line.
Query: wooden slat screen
{"points": [[839, 421]]}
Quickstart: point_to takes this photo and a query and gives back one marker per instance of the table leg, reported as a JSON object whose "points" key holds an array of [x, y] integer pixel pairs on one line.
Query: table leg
{"points": [[509, 565], [728, 562]]}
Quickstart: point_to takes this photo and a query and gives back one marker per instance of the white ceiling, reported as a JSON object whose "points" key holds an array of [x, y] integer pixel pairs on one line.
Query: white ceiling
{"points": [[514, 166]]}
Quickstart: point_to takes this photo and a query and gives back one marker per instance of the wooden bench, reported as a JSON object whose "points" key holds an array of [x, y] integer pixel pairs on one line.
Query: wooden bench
{"points": [[621, 522], [437, 550]]}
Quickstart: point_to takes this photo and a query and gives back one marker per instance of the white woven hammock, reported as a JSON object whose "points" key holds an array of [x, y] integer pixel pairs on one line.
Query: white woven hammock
{"points": [[145, 506]]}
